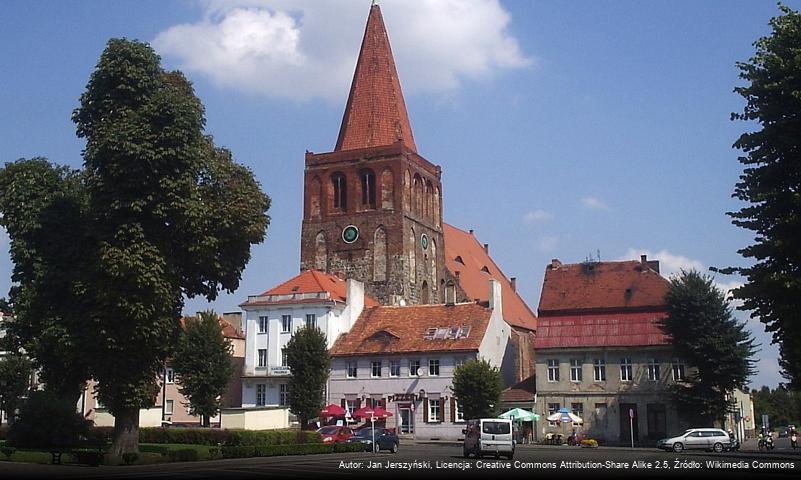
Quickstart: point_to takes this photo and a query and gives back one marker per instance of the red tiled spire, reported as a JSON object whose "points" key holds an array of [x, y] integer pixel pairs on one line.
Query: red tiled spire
{"points": [[375, 114]]}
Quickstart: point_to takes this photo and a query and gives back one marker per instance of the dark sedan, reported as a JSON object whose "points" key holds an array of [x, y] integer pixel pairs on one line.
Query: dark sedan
{"points": [[384, 439]]}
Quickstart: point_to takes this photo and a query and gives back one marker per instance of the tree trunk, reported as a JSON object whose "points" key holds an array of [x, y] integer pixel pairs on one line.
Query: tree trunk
{"points": [[126, 432], [206, 420]]}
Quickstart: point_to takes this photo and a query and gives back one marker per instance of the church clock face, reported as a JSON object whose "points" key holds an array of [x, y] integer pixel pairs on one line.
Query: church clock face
{"points": [[350, 234], [424, 241]]}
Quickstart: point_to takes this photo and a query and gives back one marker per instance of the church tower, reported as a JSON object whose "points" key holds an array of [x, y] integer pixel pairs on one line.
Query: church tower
{"points": [[373, 207]]}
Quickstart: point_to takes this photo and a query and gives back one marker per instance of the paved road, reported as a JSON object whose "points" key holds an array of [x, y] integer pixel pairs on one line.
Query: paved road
{"points": [[445, 460]]}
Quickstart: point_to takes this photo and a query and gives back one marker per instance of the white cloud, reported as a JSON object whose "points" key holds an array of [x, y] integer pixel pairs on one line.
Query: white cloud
{"points": [[306, 49], [669, 263], [535, 216], [548, 243], [593, 203]]}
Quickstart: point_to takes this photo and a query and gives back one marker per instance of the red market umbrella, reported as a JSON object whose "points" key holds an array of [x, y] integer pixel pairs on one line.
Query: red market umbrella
{"points": [[379, 412], [332, 411], [371, 412]]}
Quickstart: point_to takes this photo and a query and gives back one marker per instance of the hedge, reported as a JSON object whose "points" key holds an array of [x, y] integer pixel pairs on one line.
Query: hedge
{"points": [[3, 433], [241, 451], [205, 436]]}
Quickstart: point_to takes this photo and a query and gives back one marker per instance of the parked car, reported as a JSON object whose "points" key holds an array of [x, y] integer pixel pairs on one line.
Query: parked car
{"points": [[335, 434], [384, 439], [489, 436], [713, 439]]}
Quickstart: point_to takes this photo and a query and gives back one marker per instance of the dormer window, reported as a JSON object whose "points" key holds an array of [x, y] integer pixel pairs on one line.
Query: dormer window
{"points": [[485, 269], [458, 259]]}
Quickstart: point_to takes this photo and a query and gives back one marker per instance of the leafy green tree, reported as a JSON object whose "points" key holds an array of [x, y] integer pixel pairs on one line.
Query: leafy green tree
{"points": [[6, 306], [782, 406], [477, 386], [43, 206], [48, 421], [308, 360], [202, 362], [15, 379], [718, 348], [171, 216], [771, 184]]}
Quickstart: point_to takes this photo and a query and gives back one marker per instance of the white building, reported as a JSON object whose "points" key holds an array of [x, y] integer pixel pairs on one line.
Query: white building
{"points": [[313, 297], [404, 357]]}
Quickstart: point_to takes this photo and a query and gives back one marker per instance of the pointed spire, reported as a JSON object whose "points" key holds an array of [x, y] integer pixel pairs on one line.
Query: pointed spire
{"points": [[375, 114]]}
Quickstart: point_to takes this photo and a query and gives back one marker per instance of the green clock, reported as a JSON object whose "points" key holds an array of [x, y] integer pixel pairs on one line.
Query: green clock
{"points": [[424, 241], [350, 234]]}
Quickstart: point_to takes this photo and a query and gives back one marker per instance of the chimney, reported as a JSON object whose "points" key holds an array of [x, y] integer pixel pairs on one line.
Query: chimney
{"points": [[486, 248], [354, 300], [513, 281], [555, 263], [471, 231], [644, 259], [495, 297]]}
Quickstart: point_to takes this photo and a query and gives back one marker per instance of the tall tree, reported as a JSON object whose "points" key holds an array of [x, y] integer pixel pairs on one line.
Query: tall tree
{"points": [[717, 348], [771, 184], [477, 386], [15, 379], [43, 207], [171, 215], [309, 363], [202, 362]]}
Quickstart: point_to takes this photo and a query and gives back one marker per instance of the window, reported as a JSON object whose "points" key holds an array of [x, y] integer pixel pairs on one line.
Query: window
{"points": [[599, 369], [433, 409], [678, 371], [284, 358], [350, 406], [653, 370], [553, 408], [311, 320], [283, 394], [625, 370], [352, 370], [263, 322], [368, 189], [169, 405], [286, 323], [458, 363], [262, 357], [340, 191], [394, 368], [575, 370], [375, 369], [261, 394], [458, 412], [414, 368], [170, 374], [553, 370], [433, 368], [578, 410]]}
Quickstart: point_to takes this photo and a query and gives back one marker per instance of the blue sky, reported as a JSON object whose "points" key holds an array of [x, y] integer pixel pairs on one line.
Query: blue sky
{"points": [[563, 129]]}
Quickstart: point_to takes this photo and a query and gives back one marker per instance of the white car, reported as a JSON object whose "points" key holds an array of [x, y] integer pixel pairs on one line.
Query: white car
{"points": [[713, 439]]}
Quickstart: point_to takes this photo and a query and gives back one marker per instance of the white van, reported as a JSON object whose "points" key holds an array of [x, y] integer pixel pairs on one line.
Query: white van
{"points": [[489, 436]]}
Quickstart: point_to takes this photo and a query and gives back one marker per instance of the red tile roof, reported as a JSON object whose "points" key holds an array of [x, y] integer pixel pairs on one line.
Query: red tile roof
{"points": [[601, 330], [228, 330], [375, 114], [523, 391], [475, 268], [602, 286], [302, 289], [403, 329]]}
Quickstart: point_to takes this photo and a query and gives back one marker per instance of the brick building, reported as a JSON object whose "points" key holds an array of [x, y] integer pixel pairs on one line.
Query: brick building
{"points": [[601, 352]]}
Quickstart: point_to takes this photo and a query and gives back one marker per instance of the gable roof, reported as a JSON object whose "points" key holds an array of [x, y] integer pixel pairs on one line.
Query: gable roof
{"points": [[475, 267], [602, 286], [601, 330], [375, 114], [393, 329], [307, 287], [523, 391]]}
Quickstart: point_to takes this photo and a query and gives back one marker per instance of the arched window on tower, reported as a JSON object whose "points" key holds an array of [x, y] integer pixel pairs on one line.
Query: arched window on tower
{"points": [[339, 192], [407, 191], [433, 263], [429, 201], [368, 188], [320, 253], [380, 255], [437, 207], [412, 263], [425, 295], [387, 189], [418, 195], [315, 191]]}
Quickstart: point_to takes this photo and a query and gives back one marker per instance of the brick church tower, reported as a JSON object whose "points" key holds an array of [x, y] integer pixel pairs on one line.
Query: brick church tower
{"points": [[373, 207]]}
